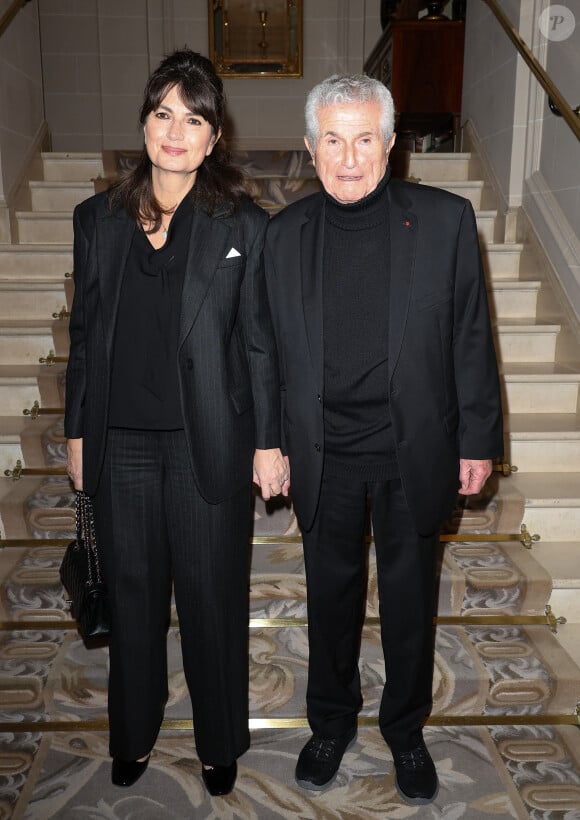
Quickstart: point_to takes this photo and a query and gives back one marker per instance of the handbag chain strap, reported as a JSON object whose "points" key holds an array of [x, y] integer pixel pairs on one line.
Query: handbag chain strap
{"points": [[85, 523]]}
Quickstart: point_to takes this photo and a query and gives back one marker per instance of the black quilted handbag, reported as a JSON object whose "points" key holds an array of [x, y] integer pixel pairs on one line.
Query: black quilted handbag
{"points": [[80, 574]]}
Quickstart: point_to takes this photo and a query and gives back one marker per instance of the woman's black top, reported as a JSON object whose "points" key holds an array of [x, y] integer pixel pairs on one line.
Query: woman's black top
{"points": [[145, 386]]}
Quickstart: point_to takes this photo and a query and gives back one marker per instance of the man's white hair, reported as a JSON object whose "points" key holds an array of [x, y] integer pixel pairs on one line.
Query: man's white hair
{"points": [[346, 88]]}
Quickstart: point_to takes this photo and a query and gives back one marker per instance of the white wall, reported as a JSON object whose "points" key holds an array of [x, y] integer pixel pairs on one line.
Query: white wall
{"points": [[21, 104], [532, 156], [490, 77], [97, 55]]}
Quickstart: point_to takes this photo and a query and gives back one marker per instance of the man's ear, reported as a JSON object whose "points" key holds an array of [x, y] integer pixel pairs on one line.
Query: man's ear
{"points": [[390, 145], [309, 148]]}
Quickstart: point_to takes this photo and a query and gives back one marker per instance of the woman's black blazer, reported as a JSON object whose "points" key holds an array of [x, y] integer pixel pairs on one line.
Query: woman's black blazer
{"points": [[227, 362]]}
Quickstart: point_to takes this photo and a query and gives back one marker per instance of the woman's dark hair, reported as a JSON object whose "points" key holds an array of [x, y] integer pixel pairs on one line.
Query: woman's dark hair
{"points": [[218, 182]]}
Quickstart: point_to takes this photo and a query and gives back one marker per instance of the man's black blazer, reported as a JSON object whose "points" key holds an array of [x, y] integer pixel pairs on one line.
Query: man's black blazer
{"points": [[227, 362], [443, 382]]}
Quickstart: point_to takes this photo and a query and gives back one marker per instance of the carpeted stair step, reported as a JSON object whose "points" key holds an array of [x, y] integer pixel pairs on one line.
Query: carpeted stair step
{"points": [[478, 579], [36, 507], [500, 772], [476, 576], [41, 442], [480, 671], [37, 443]]}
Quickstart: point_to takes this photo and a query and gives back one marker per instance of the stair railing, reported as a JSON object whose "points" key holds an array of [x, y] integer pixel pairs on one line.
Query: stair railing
{"points": [[11, 13], [557, 102]]}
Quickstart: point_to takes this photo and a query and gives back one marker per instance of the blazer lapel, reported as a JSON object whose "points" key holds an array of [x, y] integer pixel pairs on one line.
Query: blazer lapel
{"points": [[403, 226], [312, 261], [207, 247], [114, 237]]}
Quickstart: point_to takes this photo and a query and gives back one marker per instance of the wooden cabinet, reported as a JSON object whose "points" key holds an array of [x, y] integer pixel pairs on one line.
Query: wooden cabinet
{"points": [[427, 66], [422, 63]]}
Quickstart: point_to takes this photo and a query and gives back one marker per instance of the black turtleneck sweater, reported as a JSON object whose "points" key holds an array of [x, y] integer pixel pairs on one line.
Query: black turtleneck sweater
{"points": [[357, 424]]}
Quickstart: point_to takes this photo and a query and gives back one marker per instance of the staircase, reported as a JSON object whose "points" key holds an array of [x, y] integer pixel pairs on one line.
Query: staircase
{"points": [[501, 593]]}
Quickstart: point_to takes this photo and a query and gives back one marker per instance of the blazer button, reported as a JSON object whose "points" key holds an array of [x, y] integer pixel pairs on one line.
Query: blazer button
{"points": [[189, 364], [317, 447], [319, 397]]}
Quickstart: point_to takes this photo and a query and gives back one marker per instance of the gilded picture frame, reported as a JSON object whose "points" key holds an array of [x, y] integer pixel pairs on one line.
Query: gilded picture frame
{"points": [[256, 38]]}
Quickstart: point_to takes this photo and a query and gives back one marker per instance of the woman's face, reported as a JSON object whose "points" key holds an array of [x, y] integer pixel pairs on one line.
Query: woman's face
{"points": [[177, 140]]}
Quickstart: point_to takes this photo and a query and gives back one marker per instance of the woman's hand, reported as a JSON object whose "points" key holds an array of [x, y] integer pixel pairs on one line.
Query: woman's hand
{"points": [[271, 472], [74, 461]]}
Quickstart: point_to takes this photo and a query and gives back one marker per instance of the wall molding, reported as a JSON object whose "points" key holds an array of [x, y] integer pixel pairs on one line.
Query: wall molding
{"points": [[546, 220], [556, 236], [18, 195], [507, 214]]}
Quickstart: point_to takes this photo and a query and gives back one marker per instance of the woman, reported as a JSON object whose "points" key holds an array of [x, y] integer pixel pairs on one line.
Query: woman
{"points": [[171, 398]]}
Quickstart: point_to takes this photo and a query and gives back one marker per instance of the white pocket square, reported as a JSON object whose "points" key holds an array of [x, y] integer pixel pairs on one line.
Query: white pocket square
{"points": [[233, 252]]}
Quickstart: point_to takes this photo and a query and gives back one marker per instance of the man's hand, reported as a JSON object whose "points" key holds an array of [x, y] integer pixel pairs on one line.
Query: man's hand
{"points": [[271, 472], [74, 461], [473, 474]]}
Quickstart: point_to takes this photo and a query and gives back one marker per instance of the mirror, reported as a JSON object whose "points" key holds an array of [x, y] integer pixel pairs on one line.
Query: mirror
{"points": [[256, 38]]}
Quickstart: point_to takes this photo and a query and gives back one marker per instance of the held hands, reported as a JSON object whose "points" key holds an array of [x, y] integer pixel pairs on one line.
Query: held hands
{"points": [[271, 472], [473, 474], [74, 461]]}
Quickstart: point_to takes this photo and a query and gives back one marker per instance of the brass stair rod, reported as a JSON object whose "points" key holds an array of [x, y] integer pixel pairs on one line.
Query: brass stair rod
{"points": [[364, 721], [547, 619], [52, 358], [505, 468], [36, 410], [18, 471], [523, 537]]}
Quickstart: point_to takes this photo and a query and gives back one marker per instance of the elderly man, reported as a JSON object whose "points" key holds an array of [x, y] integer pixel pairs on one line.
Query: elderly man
{"points": [[390, 395]]}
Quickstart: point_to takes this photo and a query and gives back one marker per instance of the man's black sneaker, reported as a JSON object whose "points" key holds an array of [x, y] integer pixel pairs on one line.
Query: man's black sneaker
{"points": [[319, 760], [416, 778]]}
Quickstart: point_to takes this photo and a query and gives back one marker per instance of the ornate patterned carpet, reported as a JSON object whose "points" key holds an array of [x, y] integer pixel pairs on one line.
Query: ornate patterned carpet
{"points": [[501, 684]]}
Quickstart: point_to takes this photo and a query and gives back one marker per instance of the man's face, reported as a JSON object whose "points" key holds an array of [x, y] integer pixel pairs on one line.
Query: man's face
{"points": [[351, 156]]}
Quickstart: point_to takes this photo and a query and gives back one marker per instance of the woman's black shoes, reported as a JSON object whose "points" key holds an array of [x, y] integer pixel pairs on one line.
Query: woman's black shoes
{"points": [[220, 780], [127, 772]]}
